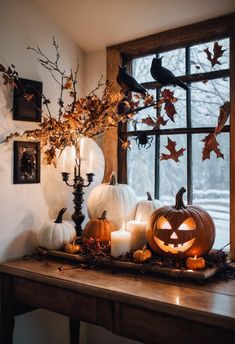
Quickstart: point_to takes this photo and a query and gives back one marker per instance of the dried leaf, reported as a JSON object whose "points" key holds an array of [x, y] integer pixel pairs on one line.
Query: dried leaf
{"points": [[211, 145], [217, 51], [174, 154], [161, 121], [69, 83], [149, 121], [223, 116], [170, 110], [126, 144], [148, 100]]}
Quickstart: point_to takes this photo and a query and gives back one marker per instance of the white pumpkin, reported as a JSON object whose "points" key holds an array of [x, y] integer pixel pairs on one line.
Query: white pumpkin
{"points": [[145, 208], [55, 234], [119, 200]]}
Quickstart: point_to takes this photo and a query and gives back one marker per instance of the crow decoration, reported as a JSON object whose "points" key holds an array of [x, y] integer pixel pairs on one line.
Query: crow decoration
{"points": [[163, 75], [128, 83]]}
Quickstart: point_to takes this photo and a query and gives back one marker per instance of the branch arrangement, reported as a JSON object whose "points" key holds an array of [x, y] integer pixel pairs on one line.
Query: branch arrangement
{"points": [[92, 115]]}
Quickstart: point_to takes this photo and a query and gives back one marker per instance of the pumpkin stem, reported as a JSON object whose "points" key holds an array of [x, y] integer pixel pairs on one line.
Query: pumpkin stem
{"points": [[149, 196], [113, 179], [179, 204], [59, 218], [103, 216]]}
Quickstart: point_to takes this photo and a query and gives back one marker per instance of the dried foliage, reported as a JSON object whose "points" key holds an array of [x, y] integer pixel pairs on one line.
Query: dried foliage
{"points": [[223, 117], [84, 116], [174, 154], [217, 53], [211, 145], [92, 115], [210, 141]]}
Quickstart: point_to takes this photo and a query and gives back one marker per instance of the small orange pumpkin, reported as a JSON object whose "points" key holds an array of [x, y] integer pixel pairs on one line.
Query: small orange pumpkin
{"points": [[181, 231], [195, 263], [99, 228], [142, 255], [72, 248]]}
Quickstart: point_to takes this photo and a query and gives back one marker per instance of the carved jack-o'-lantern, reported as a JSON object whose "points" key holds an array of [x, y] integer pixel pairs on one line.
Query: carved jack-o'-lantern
{"points": [[181, 231]]}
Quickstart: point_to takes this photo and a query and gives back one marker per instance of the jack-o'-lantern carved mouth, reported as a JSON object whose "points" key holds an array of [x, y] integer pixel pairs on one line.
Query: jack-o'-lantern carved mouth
{"points": [[174, 248]]}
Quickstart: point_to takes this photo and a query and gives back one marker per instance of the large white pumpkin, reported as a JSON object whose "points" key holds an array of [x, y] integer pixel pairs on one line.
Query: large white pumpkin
{"points": [[119, 200], [146, 207], [55, 234]]}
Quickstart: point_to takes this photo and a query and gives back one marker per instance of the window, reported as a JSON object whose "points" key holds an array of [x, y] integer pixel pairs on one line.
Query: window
{"points": [[209, 183]]}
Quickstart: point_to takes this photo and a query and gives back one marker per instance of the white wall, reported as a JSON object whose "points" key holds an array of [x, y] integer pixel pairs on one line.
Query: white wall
{"points": [[95, 67], [23, 208]]}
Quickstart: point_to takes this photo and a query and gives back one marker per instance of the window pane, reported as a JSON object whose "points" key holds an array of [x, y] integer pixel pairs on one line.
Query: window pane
{"points": [[206, 100], [175, 61], [140, 168], [211, 185], [173, 175], [199, 61], [141, 68]]}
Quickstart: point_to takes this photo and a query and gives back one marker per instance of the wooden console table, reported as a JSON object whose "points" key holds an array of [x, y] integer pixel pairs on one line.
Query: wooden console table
{"points": [[145, 308]]}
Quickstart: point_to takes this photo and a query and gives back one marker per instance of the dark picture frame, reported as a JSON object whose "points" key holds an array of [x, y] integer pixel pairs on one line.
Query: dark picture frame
{"points": [[27, 100], [26, 162]]}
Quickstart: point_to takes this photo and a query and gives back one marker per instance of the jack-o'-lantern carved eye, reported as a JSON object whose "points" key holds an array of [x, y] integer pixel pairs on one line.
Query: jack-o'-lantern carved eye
{"points": [[188, 225], [162, 223]]}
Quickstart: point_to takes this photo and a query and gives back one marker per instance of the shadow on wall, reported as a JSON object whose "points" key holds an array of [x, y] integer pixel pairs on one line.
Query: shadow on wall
{"points": [[54, 190], [24, 242]]}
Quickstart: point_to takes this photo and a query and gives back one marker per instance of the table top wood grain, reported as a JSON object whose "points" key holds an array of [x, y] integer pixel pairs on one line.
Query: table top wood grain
{"points": [[212, 302]]}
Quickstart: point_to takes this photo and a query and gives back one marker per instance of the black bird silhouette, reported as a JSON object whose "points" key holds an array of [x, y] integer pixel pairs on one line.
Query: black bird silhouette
{"points": [[164, 75], [128, 83]]}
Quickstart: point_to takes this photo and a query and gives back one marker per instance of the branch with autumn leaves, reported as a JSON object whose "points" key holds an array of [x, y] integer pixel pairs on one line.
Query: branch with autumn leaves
{"points": [[92, 115]]}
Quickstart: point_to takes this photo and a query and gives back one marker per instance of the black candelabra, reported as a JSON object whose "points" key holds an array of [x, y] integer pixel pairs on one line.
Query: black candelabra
{"points": [[78, 186]]}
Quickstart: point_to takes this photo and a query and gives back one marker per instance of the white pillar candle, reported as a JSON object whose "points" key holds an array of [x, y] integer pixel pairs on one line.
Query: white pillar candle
{"points": [[90, 170], [138, 233], [68, 157], [120, 242]]}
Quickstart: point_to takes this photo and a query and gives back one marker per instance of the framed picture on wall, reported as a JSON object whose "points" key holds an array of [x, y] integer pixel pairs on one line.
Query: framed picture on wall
{"points": [[27, 102], [26, 162]]}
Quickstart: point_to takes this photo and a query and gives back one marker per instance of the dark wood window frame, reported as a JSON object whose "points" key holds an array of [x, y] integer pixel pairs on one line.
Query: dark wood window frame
{"points": [[213, 29]]}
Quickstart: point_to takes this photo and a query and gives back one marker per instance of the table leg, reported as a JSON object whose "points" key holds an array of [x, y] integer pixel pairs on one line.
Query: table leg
{"points": [[74, 327], [6, 309]]}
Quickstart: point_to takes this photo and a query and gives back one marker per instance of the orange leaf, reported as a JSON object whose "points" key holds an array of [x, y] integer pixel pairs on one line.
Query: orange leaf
{"points": [[126, 144], [69, 83]]}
